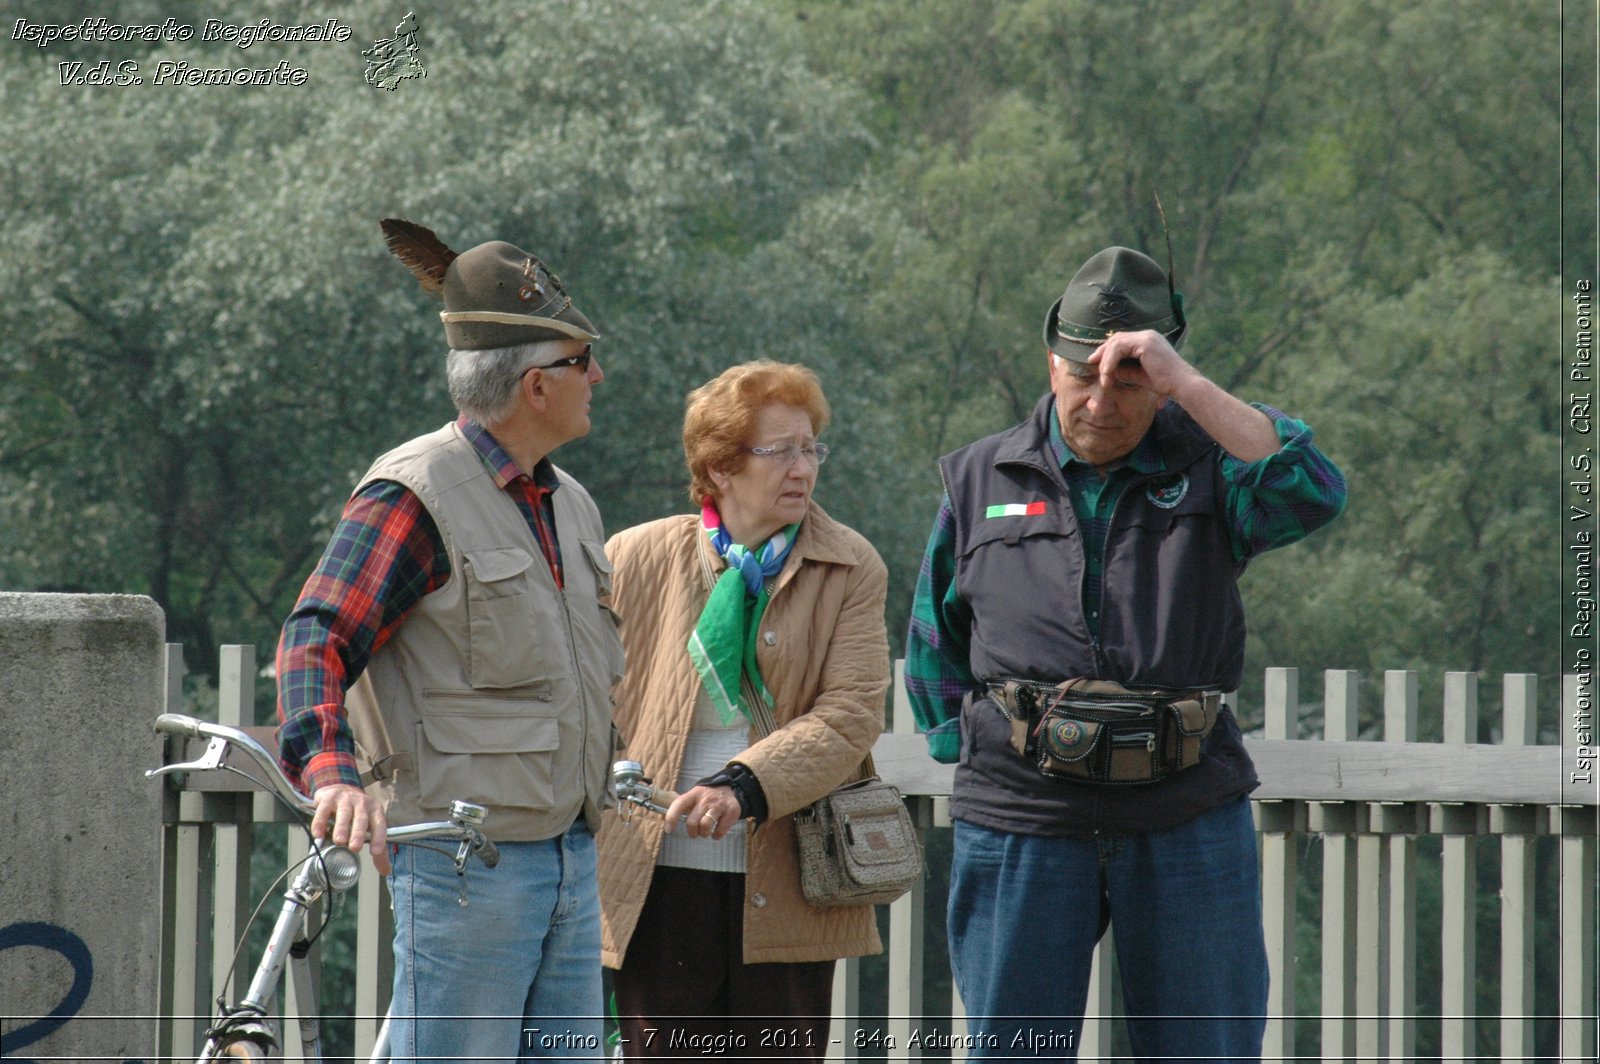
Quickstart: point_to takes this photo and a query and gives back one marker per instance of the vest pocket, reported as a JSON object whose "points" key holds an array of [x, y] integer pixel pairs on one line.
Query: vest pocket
{"points": [[609, 638], [510, 621], [489, 758], [1012, 560], [596, 552]]}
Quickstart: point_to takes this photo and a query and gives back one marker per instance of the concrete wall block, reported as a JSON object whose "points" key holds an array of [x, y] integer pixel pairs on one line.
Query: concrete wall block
{"points": [[80, 826]]}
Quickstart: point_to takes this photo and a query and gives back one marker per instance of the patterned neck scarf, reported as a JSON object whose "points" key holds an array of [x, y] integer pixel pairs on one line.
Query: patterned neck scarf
{"points": [[724, 640]]}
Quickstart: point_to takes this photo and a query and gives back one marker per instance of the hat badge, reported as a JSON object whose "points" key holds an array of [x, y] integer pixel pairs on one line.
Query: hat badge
{"points": [[542, 281], [1113, 305]]}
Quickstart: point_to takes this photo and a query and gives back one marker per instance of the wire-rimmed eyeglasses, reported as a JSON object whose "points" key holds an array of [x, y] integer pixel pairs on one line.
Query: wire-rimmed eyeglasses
{"points": [[785, 453]]}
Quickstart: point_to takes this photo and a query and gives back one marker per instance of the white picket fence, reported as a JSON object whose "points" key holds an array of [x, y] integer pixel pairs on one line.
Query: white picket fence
{"points": [[1378, 808]]}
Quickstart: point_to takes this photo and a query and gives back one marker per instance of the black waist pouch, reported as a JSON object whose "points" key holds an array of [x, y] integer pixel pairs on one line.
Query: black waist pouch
{"points": [[1098, 731]]}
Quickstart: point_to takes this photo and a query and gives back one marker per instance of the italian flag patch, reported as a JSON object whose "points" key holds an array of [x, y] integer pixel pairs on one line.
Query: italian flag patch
{"points": [[1014, 509]]}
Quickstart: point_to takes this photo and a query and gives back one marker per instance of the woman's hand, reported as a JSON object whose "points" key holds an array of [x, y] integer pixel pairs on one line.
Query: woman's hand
{"points": [[706, 812]]}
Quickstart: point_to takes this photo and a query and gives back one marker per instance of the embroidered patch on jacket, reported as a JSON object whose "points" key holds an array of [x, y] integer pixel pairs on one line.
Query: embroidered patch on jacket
{"points": [[1169, 493], [1014, 509]]}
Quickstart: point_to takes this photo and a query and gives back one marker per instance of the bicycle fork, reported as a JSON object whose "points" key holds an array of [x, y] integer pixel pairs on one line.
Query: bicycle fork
{"points": [[329, 869]]}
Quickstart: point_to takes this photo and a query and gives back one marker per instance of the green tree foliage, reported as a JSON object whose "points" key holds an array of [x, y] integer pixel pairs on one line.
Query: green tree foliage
{"points": [[1448, 557], [207, 341], [1366, 238]]}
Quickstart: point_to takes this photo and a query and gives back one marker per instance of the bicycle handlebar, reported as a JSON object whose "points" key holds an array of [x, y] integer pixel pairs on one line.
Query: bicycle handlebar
{"points": [[214, 758], [632, 786], [465, 818]]}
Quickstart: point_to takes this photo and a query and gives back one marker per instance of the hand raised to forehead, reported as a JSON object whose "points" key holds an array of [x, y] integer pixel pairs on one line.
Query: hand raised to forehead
{"points": [[1145, 358]]}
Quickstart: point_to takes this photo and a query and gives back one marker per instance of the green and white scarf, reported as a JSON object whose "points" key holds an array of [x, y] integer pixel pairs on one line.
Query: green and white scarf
{"points": [[723, 643]]}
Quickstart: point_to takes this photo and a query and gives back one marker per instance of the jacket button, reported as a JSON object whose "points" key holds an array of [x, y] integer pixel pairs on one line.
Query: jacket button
{"points": [[759, 901], [771, 638]]}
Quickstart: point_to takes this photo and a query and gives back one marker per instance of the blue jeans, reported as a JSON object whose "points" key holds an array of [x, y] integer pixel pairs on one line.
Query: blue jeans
{"points": [[1027, 910], [514, 974]]}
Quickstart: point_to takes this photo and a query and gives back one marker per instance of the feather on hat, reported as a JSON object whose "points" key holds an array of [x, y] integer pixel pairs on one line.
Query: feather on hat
{"points": [[495, 294]]}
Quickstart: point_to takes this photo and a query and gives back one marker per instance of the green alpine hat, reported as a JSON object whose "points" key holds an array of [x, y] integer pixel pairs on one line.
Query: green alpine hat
{"points": [[1117, 290], [495, 294]]}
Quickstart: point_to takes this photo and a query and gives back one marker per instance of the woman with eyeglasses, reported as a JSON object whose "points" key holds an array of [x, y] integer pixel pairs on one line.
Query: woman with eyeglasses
{"points": [[757, 668]]}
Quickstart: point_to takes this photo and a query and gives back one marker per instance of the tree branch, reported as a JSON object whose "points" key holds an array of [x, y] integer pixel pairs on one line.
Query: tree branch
{"points": [[1216, 209]]}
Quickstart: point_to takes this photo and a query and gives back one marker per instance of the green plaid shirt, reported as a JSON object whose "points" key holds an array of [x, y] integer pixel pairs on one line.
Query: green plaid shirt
{"points": [[1270, 503]]}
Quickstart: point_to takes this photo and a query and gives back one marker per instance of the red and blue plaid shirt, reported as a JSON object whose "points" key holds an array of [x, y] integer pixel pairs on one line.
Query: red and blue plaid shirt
{"points": [[385, 555]]}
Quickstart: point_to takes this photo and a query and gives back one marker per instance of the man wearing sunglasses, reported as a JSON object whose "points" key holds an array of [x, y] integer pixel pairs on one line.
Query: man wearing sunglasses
{"points": [[455, 642]]}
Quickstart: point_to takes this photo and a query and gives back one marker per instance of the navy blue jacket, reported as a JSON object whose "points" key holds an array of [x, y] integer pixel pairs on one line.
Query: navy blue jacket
{"points": [[1170, 616]]}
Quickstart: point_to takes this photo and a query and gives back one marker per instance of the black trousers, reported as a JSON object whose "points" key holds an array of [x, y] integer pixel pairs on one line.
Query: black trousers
{"points": [[684, 991]]}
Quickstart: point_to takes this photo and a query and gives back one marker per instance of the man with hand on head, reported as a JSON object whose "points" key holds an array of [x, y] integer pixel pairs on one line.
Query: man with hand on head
{"points": [[1075, 621], [466, 588]]}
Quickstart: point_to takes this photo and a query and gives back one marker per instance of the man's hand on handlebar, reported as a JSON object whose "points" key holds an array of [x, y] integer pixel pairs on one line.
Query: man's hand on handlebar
{"points": [[357, 820]]}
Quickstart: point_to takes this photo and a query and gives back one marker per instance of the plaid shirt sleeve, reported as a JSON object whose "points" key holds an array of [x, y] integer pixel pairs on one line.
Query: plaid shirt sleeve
{"points": [[385, 555], [1285, 496], [938, 675]]}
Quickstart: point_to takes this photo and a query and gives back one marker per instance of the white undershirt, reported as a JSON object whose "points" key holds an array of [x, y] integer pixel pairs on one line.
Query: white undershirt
{"points": [[711, 744]]}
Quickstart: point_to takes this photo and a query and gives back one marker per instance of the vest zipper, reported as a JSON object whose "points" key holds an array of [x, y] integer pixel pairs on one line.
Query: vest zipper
{"points": [[1100, 661], [560, 589], [1099, 655], [1095, 646], [583, 698]]}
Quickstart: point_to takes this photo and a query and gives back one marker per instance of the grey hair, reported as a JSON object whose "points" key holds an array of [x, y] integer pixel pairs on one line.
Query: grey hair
{"points": [[483, 384], [1077, 369]]}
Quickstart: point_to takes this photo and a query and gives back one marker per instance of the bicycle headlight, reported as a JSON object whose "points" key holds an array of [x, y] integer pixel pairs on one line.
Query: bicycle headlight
{"points": [[339, 869]]}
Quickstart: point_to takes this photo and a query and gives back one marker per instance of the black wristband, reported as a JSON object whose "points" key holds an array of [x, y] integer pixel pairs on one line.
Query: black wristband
{"points": [[746, 788]]}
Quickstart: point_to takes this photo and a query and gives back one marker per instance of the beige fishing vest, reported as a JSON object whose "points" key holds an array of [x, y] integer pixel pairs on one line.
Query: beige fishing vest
{"points": [[496, 689]]}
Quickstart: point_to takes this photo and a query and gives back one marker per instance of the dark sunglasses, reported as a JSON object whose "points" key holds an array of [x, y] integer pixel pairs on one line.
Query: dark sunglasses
{"points": [[580, 360]]}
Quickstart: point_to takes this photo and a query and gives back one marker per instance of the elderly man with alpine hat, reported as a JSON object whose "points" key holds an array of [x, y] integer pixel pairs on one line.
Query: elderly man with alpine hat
{"points": [[1075, 620], [465, 588]]}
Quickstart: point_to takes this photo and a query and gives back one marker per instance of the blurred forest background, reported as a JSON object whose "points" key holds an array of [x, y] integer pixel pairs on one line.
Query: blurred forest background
{"points": [[206, 341]]}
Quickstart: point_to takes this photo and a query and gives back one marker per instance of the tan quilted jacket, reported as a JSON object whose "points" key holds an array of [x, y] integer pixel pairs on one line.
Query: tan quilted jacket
{"points": [[824, 655]]}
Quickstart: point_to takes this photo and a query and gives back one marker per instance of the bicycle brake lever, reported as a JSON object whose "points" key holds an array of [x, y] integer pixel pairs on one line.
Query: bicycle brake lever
{"points": [[213, 758]]}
